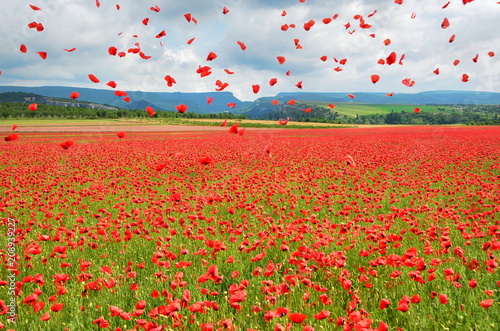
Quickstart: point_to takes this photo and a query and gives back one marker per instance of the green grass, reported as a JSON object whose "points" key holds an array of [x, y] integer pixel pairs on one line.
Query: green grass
{"points": [[351, 109], [38, 122], [41, 122], [250, 124]]}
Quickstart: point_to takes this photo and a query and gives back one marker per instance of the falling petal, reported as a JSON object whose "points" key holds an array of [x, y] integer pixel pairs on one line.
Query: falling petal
{"points": [[43, 55], [93, 78]]}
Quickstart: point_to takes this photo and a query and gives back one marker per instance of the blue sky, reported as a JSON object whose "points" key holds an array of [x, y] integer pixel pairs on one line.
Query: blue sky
{"points": [[79, 23]]}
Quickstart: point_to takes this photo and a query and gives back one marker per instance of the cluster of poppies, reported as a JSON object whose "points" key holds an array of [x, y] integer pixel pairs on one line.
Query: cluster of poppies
{"points": [[352, 229]]}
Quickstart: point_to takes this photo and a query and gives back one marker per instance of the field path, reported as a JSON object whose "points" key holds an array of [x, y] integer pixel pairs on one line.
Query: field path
{"points": [[111, 128]]}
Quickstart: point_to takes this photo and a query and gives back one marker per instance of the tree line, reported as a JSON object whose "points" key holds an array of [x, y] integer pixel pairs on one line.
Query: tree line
{"points": [[20, 110], [468, 115]]}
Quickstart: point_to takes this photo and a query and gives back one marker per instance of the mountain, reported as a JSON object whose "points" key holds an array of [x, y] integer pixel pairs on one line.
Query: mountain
{"points": [[197, 102], [422, 98], [24, 97]]}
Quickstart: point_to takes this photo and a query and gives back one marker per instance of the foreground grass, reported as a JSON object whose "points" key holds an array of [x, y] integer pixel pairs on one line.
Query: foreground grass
{"points": [[122, 229]]}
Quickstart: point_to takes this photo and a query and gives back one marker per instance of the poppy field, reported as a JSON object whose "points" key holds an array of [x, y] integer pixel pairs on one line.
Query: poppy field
{"points": [[335, 229]]}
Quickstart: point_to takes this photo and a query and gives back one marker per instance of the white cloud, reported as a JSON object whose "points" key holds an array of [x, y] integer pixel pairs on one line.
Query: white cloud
{"points": [[78, 23]]}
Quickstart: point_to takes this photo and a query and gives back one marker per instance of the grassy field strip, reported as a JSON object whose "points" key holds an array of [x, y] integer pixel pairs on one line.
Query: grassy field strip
{"points": [[351, 109]]}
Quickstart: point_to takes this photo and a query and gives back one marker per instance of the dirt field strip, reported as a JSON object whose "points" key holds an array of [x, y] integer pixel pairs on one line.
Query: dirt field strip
{"points": [[111, 128]]}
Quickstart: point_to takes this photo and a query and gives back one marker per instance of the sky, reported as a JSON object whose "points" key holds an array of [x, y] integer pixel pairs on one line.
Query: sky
{"points": [[413, 27]]}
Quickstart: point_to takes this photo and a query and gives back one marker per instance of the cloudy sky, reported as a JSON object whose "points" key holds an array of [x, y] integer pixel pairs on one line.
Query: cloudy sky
{"points": [[414, 29]]}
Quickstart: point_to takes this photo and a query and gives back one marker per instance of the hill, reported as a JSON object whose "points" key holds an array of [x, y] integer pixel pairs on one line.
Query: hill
{"points": [[196, 102], [24, 97], [363, 103]]}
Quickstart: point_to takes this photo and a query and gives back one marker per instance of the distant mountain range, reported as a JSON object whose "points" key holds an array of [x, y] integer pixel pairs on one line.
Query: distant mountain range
{"points": [[197, 102]]}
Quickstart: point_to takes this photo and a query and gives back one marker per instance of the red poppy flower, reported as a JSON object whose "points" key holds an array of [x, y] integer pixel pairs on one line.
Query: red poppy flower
{"points": [[350, 161], [383, 326], [234, 128], [170, 80], [207, 159], [57, 307], [297, 317], [67, 144], [101, 322], [322, 315], [384, 304], [12, 137], [415, 298], [408, 82], [486, 303], [391, 59], [150, 111], [403, 307], [181, 108]]}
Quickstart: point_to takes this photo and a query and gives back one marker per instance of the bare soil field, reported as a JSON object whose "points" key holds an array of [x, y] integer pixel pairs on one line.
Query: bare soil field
{"points": [[153, 125], [110, 128]]}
